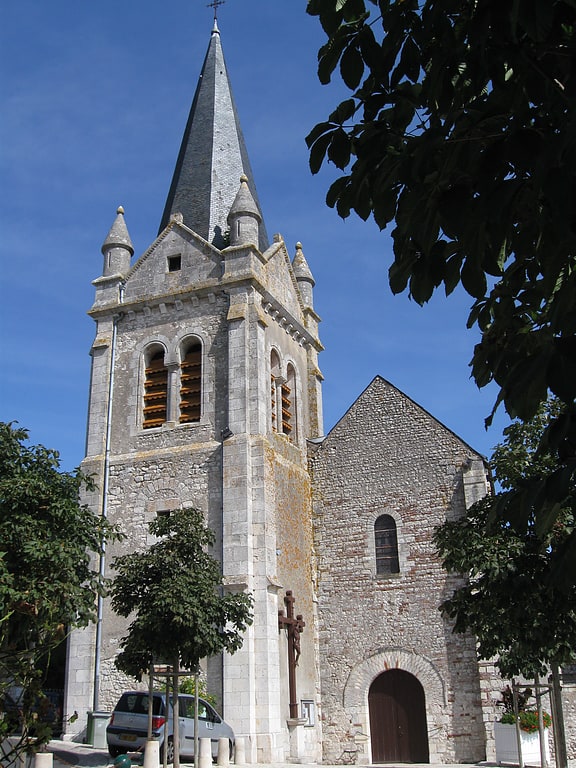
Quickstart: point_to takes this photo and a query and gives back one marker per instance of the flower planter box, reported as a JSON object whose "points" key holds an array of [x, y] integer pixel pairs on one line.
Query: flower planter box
{"points": [[507, 746]]}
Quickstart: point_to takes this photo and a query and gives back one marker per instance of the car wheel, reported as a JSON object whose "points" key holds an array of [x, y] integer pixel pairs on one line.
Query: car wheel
{"points": [[169, 747], [115, 751]]}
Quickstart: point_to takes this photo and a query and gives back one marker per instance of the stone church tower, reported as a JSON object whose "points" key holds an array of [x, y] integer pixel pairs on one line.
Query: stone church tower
{"points": [[204, 391]]}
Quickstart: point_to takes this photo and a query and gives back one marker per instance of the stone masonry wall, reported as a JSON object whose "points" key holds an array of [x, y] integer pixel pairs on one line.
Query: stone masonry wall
{"points": [[139, 490], [388, 456]]}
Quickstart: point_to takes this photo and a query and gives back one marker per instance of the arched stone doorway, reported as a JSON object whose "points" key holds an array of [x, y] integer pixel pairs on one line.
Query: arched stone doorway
{"points": [[397, 710]]}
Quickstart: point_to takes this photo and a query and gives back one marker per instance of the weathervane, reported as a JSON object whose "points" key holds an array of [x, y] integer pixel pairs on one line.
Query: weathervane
{"points": [[215, 4]]}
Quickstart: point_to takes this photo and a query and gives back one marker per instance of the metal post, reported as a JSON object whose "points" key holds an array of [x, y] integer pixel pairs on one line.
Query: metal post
{"points": [[150, 700], [517, 723], [176, 713], [196, 720], [558, 720], [165, 750], [541, 734]]}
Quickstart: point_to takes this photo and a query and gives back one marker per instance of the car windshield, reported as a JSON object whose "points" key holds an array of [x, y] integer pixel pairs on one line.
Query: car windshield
{"points": [[138, 704]]}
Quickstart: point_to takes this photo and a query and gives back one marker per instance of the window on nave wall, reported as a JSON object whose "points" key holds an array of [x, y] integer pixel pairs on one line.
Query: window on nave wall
{"points": [[386, 545], [155, 390], [191, 384]]}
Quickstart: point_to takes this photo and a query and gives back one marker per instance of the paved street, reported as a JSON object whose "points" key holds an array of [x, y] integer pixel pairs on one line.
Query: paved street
{"points": [[68, 754]]}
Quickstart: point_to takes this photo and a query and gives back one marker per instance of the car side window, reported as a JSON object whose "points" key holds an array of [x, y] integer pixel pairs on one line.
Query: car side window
{"points": [[212, 715], [186, 707]]}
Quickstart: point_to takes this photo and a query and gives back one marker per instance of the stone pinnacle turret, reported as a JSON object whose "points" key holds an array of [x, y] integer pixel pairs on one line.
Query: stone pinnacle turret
{"points": [[117, 249]]}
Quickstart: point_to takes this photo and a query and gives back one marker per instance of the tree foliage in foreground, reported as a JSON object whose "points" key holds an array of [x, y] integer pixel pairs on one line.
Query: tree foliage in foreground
{"points": [[461, 130], [174, 590], [48, 584], [506, 602]]}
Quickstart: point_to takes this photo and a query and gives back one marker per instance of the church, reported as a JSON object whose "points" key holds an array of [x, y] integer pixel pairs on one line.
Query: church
{"points": [[206, 392]]}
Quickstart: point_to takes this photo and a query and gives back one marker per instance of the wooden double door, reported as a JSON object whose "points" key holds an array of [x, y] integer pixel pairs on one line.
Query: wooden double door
{"points": [[398, 727]]}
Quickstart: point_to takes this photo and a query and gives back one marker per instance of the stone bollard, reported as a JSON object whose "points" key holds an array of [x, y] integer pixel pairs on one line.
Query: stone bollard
{"points": [[240, 751], [224, 752], [152, 754], [205, 760], [43, 760]]}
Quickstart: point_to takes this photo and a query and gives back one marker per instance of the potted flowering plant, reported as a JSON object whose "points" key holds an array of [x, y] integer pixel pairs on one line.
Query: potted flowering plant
{"points": [[505, 730], [528, 719]]}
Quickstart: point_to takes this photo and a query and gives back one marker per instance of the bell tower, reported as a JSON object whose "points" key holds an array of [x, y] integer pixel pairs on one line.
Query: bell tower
{"points": [[204, 391]]}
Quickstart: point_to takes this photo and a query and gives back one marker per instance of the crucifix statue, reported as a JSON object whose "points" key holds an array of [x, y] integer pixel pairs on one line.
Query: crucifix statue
{"points": [[294, 626]]}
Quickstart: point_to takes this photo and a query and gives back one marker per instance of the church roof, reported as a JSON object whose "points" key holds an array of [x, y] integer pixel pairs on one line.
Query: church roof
{"points": [[212, 156]]}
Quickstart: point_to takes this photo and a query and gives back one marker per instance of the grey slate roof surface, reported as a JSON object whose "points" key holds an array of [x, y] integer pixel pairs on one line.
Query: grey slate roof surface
{"points": [[212, 157]]}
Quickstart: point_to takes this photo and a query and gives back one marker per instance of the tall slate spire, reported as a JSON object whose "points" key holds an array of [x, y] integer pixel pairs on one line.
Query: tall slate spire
{"points": [[212, 157]]}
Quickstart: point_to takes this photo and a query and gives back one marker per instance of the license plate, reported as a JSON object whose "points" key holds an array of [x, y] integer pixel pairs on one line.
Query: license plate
{"points": [[128, 736]]}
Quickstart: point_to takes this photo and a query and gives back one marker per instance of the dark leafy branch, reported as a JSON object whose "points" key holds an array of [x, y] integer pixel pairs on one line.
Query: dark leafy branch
{"points": [[517, 616], [460, 131]]}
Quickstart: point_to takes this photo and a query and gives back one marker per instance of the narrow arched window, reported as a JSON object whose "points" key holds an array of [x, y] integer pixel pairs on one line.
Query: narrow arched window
{"points": [[191, 384], [155, 390], [289, 403], [386, 544], [274, 385]]}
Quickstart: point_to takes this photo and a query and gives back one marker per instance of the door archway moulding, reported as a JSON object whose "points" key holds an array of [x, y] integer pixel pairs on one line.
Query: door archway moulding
{"points": [[361, 677], [355, 695]]}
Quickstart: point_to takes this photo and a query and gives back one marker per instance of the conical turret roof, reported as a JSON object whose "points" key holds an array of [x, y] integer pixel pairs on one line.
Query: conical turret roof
{"points": [[300, 266], [118, 236], [212, 157]]}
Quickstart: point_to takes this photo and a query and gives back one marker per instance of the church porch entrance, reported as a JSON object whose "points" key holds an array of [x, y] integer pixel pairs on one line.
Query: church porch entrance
{"points": [[397, 710]]}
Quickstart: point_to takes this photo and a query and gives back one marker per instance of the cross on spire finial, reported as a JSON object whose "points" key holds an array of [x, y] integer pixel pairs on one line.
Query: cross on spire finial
{"points": [[215, 4]]}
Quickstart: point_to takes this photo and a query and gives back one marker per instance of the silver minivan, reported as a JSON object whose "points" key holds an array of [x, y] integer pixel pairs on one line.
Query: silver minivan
{"points": [[127, 730]]}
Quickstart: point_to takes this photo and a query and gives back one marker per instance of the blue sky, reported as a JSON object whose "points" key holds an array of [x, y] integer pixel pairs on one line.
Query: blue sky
{"points": [[94, 98]]}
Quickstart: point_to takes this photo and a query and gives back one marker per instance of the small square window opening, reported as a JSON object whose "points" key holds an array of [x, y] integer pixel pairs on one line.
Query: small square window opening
{"points": [[174, 263]]}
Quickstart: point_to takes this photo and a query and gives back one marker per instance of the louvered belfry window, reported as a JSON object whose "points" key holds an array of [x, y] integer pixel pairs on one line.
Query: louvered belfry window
{"points": [[274, 386], [288, 401], [273, 396], [386, 542], [191, 385], [286, 393], [155, 392]]}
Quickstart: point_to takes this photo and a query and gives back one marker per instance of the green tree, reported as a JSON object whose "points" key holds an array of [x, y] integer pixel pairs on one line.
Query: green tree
{"points": [[47, 583], [188, 685], [506, 602], [461, 129], [174, 591]]}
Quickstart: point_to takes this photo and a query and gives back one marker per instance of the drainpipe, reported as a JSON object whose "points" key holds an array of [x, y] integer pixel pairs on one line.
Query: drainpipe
{"points": [[225, 434], [104, 505]]}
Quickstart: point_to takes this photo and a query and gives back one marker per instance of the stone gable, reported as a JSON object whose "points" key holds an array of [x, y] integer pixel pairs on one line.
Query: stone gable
{"points": [[388, 456], [151, 276]]}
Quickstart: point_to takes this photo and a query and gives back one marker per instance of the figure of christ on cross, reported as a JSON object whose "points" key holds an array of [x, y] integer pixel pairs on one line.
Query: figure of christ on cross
{"points": [[294, 625]]}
